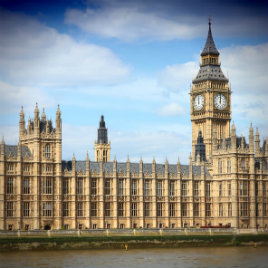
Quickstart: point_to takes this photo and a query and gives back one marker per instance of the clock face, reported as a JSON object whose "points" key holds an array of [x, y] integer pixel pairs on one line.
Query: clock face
{"points": [[220, 101], [198, 102]]}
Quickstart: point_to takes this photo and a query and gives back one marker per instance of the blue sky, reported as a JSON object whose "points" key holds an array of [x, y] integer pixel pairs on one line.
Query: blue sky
{"points": [[133, 62]]}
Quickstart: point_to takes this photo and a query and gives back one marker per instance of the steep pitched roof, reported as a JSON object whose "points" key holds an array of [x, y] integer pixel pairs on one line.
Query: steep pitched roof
{"points": [[210, 47]]}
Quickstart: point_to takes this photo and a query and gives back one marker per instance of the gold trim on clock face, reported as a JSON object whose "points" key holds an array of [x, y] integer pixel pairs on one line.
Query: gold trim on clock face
{"points": [[220, 101], [199, 102]]}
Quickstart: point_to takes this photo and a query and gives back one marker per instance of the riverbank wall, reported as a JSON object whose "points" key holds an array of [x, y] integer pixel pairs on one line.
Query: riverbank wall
{"points": [[128, 239]]}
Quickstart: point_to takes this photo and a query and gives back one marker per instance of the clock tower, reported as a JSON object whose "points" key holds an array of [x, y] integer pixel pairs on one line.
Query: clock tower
{"points": [[210, 98]]}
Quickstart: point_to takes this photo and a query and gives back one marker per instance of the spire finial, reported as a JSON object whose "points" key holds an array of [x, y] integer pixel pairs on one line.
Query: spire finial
{"points": [[209, 20]]}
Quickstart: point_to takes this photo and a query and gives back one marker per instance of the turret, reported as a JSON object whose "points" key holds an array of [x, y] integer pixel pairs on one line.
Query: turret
{"points": [[166, 168], [43, 116], [87, 163], [233, 136], [36, 119], [102, 146], [178, 168], [153, 166], [3, 147], [200, 149], [141, 166], [251, 139], [29, 127], [257, 141], [102, 132], [58, 120], [190, 166], [22, 123], [73, 164], [115, 165]]}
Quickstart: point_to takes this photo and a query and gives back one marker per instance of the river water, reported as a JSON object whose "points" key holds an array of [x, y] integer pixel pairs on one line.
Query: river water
{"points": [[163, 258]]}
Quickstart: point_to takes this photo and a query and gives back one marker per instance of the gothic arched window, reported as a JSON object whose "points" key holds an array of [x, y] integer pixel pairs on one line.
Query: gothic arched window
{"points": [[47, 151]]}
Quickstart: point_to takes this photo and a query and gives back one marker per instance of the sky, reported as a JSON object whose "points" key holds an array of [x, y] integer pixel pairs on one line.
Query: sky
{"points": [[133, 62]]}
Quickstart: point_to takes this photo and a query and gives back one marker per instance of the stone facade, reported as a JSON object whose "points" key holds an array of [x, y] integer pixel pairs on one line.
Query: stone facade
{"points": [[225, 182]]}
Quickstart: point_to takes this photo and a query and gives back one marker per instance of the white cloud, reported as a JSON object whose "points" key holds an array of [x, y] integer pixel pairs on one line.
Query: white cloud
{"points": [[171, 109], [247, 69], [10, 134], [12, 97], [178, 77], [130, 23], [34, 54]]}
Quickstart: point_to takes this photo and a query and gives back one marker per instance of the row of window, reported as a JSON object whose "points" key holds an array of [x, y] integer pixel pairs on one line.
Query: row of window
{"points": [[147, 206], [47, 186]]}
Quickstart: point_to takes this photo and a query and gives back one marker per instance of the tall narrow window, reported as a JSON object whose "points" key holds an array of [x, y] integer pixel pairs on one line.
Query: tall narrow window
{"points": [[159, 188], [134, 187], [121, 187], [184, 209], [220, 189], [47, 151], [47, 186], [172, 211], [196, 189], [134, 209], [256, 188], [265, 208], [26, 186], [208, 210], [229, 166], [93, 185], [10, 185], [207, 189], [184, 189], [47, 209], [10, 209], [265, 189], [196, 209], [65, 209], [220, 210], [80, 186], [107, 187], [159, 207], [146, 187], [229, 189], [107, 208], [94, 209], [219, 166], [229, 209], [120, 207], [80, 209], [26, 209], [171, 188], [243, 209], [243, 188], [66, 186], [147, 209]]}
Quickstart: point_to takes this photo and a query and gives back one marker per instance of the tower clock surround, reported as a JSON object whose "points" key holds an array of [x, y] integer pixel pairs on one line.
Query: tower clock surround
{"points": [[210, 98]]}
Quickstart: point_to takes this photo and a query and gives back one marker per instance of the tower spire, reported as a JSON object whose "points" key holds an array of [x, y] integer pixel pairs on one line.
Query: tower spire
{"points": [[210, 47]]}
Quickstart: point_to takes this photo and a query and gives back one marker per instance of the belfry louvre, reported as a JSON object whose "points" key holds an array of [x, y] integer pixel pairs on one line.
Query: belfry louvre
{"points": [[225, 182]]}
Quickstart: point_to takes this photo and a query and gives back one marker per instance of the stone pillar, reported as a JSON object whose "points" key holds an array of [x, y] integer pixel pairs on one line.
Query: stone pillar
{"points": [[140, 196], [101, 196], [114, 194], [18, 188], [87, 193], [153, 198], [166, 196], [2, 187], [128, 200], [72, 204], [203, 195], [190, 192]]}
